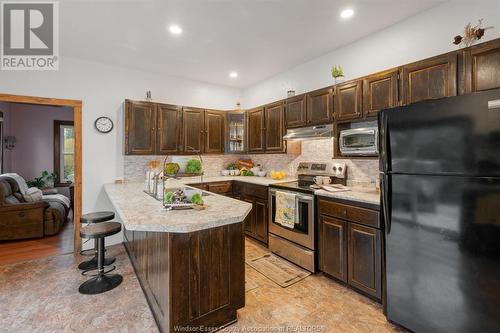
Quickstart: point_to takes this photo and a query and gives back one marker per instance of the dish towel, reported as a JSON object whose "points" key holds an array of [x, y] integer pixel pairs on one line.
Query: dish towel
{"points": [[285, 209]]}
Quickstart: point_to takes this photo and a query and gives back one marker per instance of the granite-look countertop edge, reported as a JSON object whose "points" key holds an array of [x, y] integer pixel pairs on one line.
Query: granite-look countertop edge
{"points": [[265, 181], [141, 212], [371, 198]]}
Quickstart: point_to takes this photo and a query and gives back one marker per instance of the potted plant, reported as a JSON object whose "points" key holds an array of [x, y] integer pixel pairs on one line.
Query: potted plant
{"points": [[45, 181], [337, 73], [232, 169]]}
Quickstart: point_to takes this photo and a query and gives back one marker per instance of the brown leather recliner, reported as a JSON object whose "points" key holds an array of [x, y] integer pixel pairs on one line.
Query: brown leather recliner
{"points": [[21, 220]]}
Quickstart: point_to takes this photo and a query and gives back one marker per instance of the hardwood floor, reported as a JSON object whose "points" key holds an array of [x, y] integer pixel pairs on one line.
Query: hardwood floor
{"points": [[17, 251]]}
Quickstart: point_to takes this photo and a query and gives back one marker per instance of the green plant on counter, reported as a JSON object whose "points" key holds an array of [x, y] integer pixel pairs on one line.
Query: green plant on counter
{"points": [[169, 197], [171, 168], [193, 166], [337, 71], [247, 173], [232, 166], [196, 199]]}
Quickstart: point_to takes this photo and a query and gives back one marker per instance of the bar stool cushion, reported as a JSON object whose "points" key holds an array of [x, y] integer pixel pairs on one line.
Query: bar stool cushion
{"points": [[97, 217], [99, 230]]}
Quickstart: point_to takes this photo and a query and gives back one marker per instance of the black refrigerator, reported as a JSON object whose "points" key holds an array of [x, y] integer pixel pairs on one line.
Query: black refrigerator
{"points": [[440, 189]]}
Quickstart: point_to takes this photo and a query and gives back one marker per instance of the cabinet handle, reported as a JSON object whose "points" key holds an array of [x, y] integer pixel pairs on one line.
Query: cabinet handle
{"points": [[345, 212]]}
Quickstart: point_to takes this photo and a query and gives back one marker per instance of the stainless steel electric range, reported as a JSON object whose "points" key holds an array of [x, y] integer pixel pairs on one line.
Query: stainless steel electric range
{"points": [[299, 244]]}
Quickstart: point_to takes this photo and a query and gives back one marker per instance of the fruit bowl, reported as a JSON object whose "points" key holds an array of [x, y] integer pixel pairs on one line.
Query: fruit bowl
{"points": [[278, 175]]}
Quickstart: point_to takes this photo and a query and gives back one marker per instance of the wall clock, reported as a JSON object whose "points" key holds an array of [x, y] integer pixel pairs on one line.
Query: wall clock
{"points": [[103, 124]]}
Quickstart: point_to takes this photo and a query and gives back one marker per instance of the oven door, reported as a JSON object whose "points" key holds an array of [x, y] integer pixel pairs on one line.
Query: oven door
{"points": [[303, 231], [361, 141]]}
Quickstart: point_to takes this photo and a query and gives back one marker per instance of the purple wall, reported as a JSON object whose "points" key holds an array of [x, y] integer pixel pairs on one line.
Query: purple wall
{"points": [[33, 127]]}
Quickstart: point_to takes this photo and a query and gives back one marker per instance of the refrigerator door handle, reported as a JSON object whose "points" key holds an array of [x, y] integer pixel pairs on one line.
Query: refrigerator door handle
{"points": [[383, 140], [386, 197]]}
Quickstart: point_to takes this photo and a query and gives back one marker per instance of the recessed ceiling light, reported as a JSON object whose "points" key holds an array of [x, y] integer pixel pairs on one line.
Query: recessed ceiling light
{"points": [[175, 29], [233, 75], [347, 13]]}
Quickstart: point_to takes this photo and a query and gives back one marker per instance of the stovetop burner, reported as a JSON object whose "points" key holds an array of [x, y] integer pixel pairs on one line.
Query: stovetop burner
{"points": [[294, 186], [307, 171]]}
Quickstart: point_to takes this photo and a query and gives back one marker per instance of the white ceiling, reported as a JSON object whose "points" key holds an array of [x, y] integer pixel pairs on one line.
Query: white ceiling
{"points": [[256, 38]]}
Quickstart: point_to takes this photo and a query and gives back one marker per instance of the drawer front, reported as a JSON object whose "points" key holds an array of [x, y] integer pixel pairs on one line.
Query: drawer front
{"points": [[351, 213], [219, 188], [258, 191], [201, 186]]}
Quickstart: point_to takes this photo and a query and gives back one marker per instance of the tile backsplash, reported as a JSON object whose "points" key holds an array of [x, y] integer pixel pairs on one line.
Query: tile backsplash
{"points": [[359, 171]]}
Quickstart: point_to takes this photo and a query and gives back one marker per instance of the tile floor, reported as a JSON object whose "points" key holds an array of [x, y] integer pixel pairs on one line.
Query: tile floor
{"points": [[42, 296]]}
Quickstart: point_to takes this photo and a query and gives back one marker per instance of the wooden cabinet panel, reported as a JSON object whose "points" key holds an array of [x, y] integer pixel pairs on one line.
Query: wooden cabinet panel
{"points": [[274, 128], [169, 129], [250, 219], [319, 106], [333, 247], [219, 187], [140, 128], [261, 220], [380, 91], [201, 186], [296, 111], [430, 79], [360, 215], [193, 130], [256, 128], [482, 63], [364, 257], [349, 100], [214, 131]]}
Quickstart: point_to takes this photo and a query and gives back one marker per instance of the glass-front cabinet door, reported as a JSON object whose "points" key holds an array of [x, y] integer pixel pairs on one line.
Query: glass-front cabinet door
{"points": [[236, 135]]}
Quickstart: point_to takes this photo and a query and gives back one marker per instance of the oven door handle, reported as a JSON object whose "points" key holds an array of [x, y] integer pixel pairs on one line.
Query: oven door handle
{"points": [[299, 197]]}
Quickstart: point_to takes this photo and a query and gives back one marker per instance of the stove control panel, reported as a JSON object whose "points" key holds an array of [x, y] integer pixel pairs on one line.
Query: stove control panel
{"points": [[333, 169]]}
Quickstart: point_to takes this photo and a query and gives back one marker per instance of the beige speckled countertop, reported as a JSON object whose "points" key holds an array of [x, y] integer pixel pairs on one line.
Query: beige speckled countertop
{"points": [[369, 196], [141, 212], [246, 179]]}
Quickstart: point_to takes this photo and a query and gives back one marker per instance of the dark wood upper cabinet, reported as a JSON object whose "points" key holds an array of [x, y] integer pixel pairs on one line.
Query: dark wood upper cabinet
{"points": [[214, 131], [193, 130], [430, 79], [333, 247], [349, 100], [236, 132], [256, 130], [296, 108], [140, 128], [364, 257], [169, 129], [319, 106], [274, 127], [380, 91], [482, 67]]}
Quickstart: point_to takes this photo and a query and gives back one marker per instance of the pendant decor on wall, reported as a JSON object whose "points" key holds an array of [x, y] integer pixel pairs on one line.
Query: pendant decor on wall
{"points": [[471, 34]]}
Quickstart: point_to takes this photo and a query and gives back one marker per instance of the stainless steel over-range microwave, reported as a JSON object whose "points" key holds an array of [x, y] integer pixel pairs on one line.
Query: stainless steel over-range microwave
{"points": [[359, 142]]}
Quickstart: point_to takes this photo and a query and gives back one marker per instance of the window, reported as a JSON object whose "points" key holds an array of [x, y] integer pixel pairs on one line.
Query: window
{"points": [[64, 151]]}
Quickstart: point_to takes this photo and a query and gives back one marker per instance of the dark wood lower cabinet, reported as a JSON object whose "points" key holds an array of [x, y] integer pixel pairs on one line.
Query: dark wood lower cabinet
{"points": [[350, 246], [256, 222], [364, 258], [190, 279], [333, 259]]}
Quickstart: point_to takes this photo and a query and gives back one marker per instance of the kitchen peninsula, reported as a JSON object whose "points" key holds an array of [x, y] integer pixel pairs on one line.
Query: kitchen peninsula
{"points": [[190, 263]]}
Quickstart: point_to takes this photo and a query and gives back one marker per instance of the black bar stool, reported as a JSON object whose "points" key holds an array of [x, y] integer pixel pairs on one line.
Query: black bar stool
{"points": [[102, 281], [97, 217]]}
